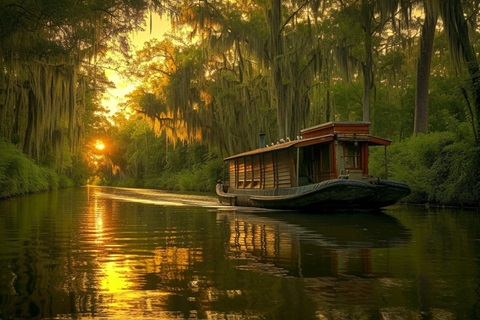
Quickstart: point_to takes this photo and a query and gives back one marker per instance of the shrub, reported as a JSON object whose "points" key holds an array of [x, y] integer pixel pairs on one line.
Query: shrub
{"points": [[440, 168], [202, 177], [21, 175]]}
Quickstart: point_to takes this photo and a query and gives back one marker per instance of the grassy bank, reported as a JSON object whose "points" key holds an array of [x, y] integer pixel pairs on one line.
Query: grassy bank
{"points": [[20, 175]]}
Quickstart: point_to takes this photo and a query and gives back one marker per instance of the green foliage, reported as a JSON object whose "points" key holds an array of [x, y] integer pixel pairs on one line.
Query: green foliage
{"points": [[441, 168], [154, 162], [392, 116], [347, 104], [198, 177], [202, 177], [21, 175], [79, 173]]}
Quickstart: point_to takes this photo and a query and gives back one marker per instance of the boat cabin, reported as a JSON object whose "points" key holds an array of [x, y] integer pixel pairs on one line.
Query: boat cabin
{"points": [[324, 152]]}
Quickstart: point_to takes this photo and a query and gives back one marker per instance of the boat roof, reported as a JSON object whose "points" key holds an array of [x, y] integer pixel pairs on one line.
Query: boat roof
{"points": [[372, 140]]}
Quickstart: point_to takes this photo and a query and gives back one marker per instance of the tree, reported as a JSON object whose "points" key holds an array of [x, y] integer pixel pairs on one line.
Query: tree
{"points": [[424, 68], [48, 56], [354, 54], [267, 42], [218, 85], [367, 14]]}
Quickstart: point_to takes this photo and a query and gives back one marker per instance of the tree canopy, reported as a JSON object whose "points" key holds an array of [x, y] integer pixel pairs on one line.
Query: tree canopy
{"points": [[272, 67]]}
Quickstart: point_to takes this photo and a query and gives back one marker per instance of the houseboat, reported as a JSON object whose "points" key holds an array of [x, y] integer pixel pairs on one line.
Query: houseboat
{"points": [[326, 168]]}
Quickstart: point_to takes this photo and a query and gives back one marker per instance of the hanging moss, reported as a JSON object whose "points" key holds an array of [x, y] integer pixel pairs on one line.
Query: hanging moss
{"points": [[40, 106]]}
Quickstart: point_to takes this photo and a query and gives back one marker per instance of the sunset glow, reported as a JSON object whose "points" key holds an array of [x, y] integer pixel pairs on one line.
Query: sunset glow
{"points": [[124, 85], [99, 145]]}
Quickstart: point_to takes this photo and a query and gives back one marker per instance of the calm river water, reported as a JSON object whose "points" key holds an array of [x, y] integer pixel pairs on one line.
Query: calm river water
{"points": [[110, 253]]}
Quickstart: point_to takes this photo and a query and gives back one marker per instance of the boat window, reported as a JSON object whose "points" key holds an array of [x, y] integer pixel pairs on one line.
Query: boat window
{"points": [[352, 155]]}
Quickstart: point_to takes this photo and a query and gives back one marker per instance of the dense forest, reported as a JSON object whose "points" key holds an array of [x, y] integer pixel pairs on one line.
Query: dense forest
{"points": [[227, 71]]}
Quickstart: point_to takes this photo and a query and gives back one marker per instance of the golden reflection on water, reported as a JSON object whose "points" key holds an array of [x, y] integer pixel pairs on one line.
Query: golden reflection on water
{"points": [[124, 270], [112, 266]]}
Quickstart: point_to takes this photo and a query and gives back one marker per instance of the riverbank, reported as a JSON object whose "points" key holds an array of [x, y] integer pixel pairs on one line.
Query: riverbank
{"points": [[442, 169], [20, 175]]}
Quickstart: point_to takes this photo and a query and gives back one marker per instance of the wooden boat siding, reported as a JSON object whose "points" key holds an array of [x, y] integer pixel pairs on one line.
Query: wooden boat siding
{"points": [[245, 172], [248, 172], [277, 168], [232, 173], [263, 171], [268, 171], [284, 166], [321, 159], [256, 171]]}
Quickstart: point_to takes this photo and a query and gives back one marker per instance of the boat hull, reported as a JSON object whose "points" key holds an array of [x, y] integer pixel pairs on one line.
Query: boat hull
{"points": [[336, 194]]}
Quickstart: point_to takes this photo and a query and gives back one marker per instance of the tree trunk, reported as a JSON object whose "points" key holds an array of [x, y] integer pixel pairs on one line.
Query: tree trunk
{"points": [[276, 47], [368, 65], [423, 71]]}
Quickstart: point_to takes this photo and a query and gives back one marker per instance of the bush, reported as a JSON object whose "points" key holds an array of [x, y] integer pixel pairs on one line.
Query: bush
{"points": [[202, 177], [440, 168], [21, 175]]}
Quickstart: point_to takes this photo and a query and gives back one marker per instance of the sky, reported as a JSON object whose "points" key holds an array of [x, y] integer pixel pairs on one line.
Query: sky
{"points": [[124, 86]]}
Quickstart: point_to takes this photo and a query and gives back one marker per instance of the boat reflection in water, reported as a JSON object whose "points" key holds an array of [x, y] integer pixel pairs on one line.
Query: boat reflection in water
{"points": [[332, 253], [302, 245]]}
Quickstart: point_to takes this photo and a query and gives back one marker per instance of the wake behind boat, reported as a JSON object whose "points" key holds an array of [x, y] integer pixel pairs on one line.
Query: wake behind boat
{"points": [[326, 169]]}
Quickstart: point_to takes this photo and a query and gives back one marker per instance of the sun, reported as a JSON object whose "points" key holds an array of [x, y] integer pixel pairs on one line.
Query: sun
{"points": [[99, 145]]}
